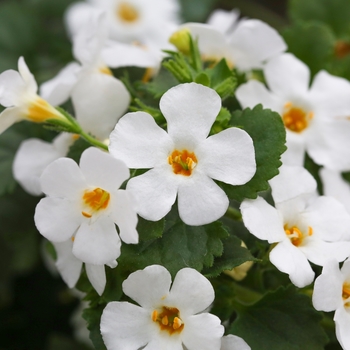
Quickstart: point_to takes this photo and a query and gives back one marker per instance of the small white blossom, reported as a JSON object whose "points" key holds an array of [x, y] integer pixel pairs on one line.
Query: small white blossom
{"points": [[245, 44], [168, 316], [232, 342], [18, 93], [84, 203], [304, 226], [316, 117], [184, 161], [332, 292]]}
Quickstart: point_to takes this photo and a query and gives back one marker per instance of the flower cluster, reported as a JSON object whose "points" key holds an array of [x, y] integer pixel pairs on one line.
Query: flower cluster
{"points": [[163, 179]]}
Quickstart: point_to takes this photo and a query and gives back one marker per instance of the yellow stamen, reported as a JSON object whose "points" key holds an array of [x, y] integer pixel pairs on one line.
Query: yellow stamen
{"points": [[154, 315], [183, 162], [168, 319], [296, 119], [295, 235], [127, 13], [177, 323], [95, 200]]}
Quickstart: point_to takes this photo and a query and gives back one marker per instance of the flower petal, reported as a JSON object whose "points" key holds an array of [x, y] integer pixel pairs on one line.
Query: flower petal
{"points": [[124, 215], [191, 292], [328, 288], [27, 76], [289, 259], [102, 170], [232, 342], [190, 110], [125, 326], [139, 141], [319, 252], [67, 264], [57, 219], [223, 20], [126, 55], [262, 220], [291, 182], [32, 157], [254, 92], [342, 321], [200, 200], [228, 156], [328, 218], [148, 287], [8, 117], [99, 101], [203, 331], [58, 89], [97, 242], [334, 185], [287, 76], [155, 192], [97, 277], [253, 42], [12, 88], [63, 178]]}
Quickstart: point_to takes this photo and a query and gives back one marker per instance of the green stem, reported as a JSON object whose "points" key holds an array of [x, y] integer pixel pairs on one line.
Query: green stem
{"points": [[233, 214], [93, 141]]}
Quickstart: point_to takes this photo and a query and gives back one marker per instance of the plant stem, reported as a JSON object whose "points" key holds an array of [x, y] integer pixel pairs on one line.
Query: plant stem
{"points": [[93, 141], [233, 214]]}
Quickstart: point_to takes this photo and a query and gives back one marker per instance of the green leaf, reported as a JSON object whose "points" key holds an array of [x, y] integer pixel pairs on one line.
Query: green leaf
{"points": [[180, 246], [282, 319], [92, 316], [223, 79], [233, 256], [268, 133], [150, 229], [313, 43], [202, 78], [78, 147], [334, 13]]}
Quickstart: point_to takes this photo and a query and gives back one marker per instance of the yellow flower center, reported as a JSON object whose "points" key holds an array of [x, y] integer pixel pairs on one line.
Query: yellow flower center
{"points": [[40, 110], [296, 119], [346, 294], [168, 319], [105, 70], [127, 13], [183, 162], [295, 235], [95, 200]]}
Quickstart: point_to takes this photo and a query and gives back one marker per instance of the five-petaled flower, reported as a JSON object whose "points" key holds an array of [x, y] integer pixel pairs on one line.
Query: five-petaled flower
{"points": [[84, 203], [184, 160], [167, 318]]}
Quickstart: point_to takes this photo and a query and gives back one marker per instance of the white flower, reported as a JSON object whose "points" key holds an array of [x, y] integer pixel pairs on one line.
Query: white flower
{"points": [[147, 22], [232, 342], [34, 155], [167, 318], [332, 292], [183, 161], [315, 117], [85, 203], [304, 226], [248, 44], [18, 93], [99, 99]]}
